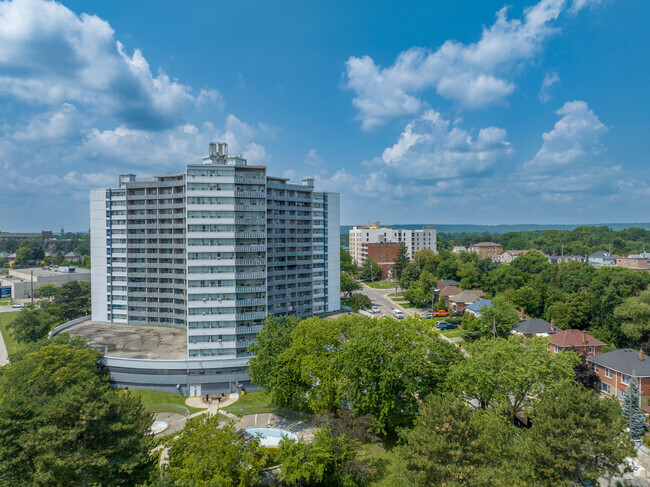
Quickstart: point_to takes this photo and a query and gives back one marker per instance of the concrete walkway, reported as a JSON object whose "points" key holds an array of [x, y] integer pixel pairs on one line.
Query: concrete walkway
{"points": [[212, 409], [4, 355]]}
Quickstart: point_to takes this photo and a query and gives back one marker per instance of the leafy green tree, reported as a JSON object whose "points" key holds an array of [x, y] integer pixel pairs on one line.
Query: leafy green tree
{"points": [[58, 258], [46, 291], [503, 373], [360, 301], [454, 446], [410, 274], [267, 369], [420, 292], [497, 320], [634, 313], [570, 313], [425, 257], [32, 324], [575, 437], [72, 300], [349, 284], [574, 276], [400, 262], [370, 270], [532, 262], [346, 263], [503, 278], [388, 364], [209, 454], [328, 460], [30, 250], [62, 424], [632, 413]]}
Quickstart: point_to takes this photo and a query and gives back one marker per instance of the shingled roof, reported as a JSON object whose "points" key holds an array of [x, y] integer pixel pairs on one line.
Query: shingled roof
{"points": [[535, 326], [574, 338], [464, 297], [624, 360]]}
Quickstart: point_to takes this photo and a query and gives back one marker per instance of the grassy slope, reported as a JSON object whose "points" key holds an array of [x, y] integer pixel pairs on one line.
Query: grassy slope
{"points": [[381, 284], [151, 398], [10, 342], [251, 403]]}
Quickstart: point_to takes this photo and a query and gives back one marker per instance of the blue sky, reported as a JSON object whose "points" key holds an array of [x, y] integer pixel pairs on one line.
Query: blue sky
{"points": [[416, 112]]}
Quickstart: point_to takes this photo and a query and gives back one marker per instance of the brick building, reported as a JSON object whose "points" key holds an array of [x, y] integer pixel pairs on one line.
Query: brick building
{"points": [[634, 261], [577, 341], [383, 253], [615, 370], [487, 250]]}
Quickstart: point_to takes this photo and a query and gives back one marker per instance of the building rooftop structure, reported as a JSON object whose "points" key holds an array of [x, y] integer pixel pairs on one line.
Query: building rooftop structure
{"points": [[574, 338], [479, 305], [535, 326], [624, 360]]}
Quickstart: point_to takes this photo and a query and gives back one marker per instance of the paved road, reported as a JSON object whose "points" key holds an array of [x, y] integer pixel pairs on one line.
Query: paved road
{"points": [[378, 297]]}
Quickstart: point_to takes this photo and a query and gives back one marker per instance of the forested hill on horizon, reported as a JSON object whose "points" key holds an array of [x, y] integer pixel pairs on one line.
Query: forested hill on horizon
{"points": [[505, 228]]}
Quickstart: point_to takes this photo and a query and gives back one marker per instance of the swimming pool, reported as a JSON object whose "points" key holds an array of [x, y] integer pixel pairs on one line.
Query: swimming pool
{"points": [[270, 437]]}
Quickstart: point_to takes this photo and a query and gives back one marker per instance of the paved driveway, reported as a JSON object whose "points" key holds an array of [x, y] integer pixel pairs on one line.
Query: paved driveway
{"points": [[378, 297]]}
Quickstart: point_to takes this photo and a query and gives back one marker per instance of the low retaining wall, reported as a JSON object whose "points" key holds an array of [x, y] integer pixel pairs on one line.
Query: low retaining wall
{"points": [[68, 324]]}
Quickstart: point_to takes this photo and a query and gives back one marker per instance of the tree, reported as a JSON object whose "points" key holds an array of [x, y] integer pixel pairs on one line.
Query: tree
{"points": [[211, 454], [328, 460], [346, 263], [420, 292], [532, 262], [570, 313], [503, 373], [46, 291], [62, 424], [585, 375], [400, 262], [575, 437], [388, 364], [30, 250], [410, 274], [632, 413], [349, 284], [370, 270], [267, 369], [72, 300], [58, 258], [32, 324], [360, 301], [634, 314], [454, 446], [497, 320]]}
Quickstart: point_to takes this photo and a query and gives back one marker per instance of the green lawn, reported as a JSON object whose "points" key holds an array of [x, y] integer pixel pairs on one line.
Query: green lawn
{"points": [[251, 403], [4, 301], [381, 284], [153, 400], [452, 333], [10, 341], [384, 461]]}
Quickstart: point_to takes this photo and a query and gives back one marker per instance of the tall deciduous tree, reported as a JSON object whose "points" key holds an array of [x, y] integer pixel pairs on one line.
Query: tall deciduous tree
{"points": [[61, 423], [370, 270], [634, 314], [32, 324], [502, 372], [496, 320], [349, 284], [400, 262], [208, 454]]}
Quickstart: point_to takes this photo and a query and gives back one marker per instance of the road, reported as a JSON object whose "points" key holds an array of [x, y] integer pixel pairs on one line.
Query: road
{"points": [[378, 297]]}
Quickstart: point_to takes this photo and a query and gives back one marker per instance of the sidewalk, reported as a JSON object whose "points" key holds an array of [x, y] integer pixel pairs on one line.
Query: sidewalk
{"points": [[4, 355], [212, 409]]}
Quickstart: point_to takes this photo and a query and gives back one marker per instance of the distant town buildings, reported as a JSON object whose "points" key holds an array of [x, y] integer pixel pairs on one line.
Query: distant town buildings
{"points": [[22, 281], [415, 240], [487, 250]]}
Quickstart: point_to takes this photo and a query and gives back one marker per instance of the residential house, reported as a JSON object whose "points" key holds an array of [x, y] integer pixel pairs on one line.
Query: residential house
{"points": [[72, 256], [487, 250], [478, 292], [556, 259], [477, 307], [447, 291], [535, 327], [458, 302], [634, 261], [577, 341], [442, 283], [458, 249], [602, 259], [615, 370], [508, 256]]}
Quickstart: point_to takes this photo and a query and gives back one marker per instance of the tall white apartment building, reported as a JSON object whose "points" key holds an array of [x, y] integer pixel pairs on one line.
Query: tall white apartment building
{"points": [[213, 249], [361, 235]]}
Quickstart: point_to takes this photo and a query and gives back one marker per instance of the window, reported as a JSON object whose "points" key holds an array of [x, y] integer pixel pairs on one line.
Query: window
{"points": [[608, 372], [557, 349], [591, 349], [595, 368], [625, 379], [606, 388]]}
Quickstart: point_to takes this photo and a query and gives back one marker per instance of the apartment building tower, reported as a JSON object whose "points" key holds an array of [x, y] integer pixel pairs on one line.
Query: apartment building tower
{"points": [[362, 235], [214, 249]]}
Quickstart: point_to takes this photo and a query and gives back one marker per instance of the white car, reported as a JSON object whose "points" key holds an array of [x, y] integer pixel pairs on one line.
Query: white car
{"points": [[397, 313], [375, 308], [18, 305]]}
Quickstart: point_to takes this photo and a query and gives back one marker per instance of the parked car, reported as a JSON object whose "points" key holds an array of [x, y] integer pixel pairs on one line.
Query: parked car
{"points": [[18, 305], [375, 308], [426, 315], [440, 313], [398, 314], [445, 325]]}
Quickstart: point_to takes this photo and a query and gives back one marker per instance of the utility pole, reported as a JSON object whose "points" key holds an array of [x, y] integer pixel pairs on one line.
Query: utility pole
{"points": [[433, 293], [31, 284], [494, 327]]}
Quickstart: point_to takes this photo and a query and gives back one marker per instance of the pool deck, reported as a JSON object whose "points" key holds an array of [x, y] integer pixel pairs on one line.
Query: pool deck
{"points": [[302, 430]]}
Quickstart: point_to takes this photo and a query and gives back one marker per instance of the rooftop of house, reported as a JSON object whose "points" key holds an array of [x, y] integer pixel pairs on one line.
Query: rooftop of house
{"points": [[534, 326], [574, 338], [478, 292], [486, 244], [449, 290], [464, 297], [480, 304], [624, 360], [600, 254], [447, 282]]}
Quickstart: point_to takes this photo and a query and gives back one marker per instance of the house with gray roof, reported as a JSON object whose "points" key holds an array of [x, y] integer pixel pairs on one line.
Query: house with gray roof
{"points": [[602, 259], [535, 327], [477, 307], [615, 370], [458, 302]]}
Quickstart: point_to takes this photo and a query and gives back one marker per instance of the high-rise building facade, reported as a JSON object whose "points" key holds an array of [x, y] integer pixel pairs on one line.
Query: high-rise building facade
{"points": [[214, 249], [361, 235]]}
